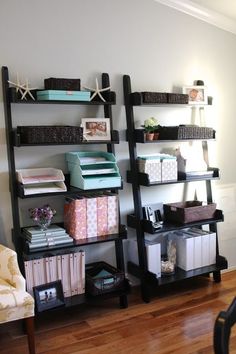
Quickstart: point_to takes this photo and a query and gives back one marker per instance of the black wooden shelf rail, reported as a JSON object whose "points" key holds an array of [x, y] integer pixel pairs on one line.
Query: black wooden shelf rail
{"points": [[16, 189], [149, 282]]}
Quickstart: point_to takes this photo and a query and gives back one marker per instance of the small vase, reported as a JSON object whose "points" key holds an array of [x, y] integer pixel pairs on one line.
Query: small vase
{"points": [[149, 136], [44, 224], [156, 136]]}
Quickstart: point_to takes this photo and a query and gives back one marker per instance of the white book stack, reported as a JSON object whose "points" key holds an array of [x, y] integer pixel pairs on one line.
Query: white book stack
{"points": [[54, 235], [69, 268], [196, 248]]}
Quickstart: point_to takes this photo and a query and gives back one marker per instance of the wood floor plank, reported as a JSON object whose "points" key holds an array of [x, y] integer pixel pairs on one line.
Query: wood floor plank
{"points": [[179, 320]]}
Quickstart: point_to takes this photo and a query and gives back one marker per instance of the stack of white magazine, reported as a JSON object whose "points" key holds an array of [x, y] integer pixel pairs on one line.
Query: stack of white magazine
{"points": [[53, 236]]}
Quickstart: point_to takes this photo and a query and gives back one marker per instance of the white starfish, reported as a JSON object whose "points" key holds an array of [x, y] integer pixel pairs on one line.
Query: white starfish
{"points": [[24, 89], [27, 90], [18, 85], [97, 91]]}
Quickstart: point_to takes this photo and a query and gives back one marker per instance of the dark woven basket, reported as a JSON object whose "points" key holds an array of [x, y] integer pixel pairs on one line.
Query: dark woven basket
{"points": [[185, 132], [195, 132], [154, 97], [178, 98], [62, 84], [46, 134], [96, 285], [190, 211]]}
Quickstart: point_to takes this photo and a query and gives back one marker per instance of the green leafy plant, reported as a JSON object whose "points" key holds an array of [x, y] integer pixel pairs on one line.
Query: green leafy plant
{"points": [[150, 125]]}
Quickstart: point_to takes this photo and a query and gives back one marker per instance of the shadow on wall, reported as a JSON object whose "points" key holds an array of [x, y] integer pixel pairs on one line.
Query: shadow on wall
{"points": [[1, 96], [2, 135], [5, 209], [3, 239]]}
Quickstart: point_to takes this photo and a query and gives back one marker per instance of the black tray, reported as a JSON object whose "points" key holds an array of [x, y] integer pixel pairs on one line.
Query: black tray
{"points": [[97, 285]]}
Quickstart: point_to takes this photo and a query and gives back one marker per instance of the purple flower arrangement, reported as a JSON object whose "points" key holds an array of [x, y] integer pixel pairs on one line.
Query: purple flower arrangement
{"points": [[42, 215]]}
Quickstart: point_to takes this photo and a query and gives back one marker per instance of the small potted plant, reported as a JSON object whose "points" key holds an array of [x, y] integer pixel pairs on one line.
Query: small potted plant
{"points": [[150, 126], [42, 216]]}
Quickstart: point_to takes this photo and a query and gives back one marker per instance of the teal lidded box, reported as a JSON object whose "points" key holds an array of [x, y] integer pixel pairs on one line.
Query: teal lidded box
{"points": [[93, 170], [61, 95]]}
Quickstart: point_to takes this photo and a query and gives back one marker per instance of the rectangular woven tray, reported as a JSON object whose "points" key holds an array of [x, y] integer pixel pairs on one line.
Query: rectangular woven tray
{"points": [[46, 134], [178, 98], [154, 97], [185, 132]]}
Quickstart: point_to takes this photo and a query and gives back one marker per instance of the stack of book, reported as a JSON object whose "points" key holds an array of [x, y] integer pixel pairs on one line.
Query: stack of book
{"points": [[69, 268], [54, 235]]}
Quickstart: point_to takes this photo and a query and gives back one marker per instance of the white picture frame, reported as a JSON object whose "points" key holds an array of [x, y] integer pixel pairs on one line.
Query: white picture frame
{"points": [[96, 129], [197, 94]]}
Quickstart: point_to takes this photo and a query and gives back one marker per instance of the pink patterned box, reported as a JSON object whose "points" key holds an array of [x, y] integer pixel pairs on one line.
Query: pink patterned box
{"points": [[102, 226], [76, 218], [92, 217], [112, 214]]}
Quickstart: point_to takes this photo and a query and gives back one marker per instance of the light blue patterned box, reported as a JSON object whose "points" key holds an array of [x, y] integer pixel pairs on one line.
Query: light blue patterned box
{"points": [[60, 95]]}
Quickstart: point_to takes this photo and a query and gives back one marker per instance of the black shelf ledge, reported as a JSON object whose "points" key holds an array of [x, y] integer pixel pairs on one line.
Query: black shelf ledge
{"points": [[143, 178], [71, 191], [74, 300], [60, 249], [147, 225], [17, 141], [110, 99], [88, 299], [139, 136], [180, 274], [136, 99]]}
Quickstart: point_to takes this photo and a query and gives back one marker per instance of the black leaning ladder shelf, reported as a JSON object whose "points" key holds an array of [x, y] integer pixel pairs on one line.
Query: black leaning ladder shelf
{"points": [[13, 142], [149, 282]]}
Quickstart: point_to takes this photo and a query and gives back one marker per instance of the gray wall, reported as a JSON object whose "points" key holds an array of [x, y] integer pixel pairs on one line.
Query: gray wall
{"points": [[160, 48]]}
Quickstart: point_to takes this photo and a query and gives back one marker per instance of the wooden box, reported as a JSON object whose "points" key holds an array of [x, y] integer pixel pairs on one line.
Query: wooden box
{"points": [[187, 212]]}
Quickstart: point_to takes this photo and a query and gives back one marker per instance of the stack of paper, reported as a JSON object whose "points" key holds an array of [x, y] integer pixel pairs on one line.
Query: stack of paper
{"points": [[41, 180]]}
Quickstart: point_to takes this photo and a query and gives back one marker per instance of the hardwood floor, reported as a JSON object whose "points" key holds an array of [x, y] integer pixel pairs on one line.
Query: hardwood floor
{"points": [[179, 320]]}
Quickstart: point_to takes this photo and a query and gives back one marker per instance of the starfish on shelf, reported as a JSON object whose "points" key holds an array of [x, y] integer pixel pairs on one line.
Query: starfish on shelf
{"points": [[24, 89], [97, 91]]}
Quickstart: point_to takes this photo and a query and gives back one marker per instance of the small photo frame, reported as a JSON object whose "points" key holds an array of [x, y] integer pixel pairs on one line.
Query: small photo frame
{"points": [[96, 129], [48, 296], [196, 94]]}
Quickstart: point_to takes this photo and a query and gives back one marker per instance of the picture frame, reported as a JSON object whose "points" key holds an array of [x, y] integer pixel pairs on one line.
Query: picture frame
{"points": [[48, 296], [197, 94], [96, 129]]}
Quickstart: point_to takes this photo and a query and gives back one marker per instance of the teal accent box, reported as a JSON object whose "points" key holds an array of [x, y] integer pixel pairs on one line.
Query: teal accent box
{"points": [[60, 95], [93, 170]]}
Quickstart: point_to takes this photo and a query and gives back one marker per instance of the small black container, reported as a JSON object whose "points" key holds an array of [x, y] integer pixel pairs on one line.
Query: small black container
{"points": [[62, 84], [103, 278]]}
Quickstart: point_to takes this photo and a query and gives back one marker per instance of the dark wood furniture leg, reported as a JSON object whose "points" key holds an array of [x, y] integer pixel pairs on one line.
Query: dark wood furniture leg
{"points": [[29, 324]]}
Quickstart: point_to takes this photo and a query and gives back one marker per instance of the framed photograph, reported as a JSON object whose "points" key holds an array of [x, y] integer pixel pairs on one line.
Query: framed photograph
{"points": [[48, 296], [196, 94], [96, 129]]}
